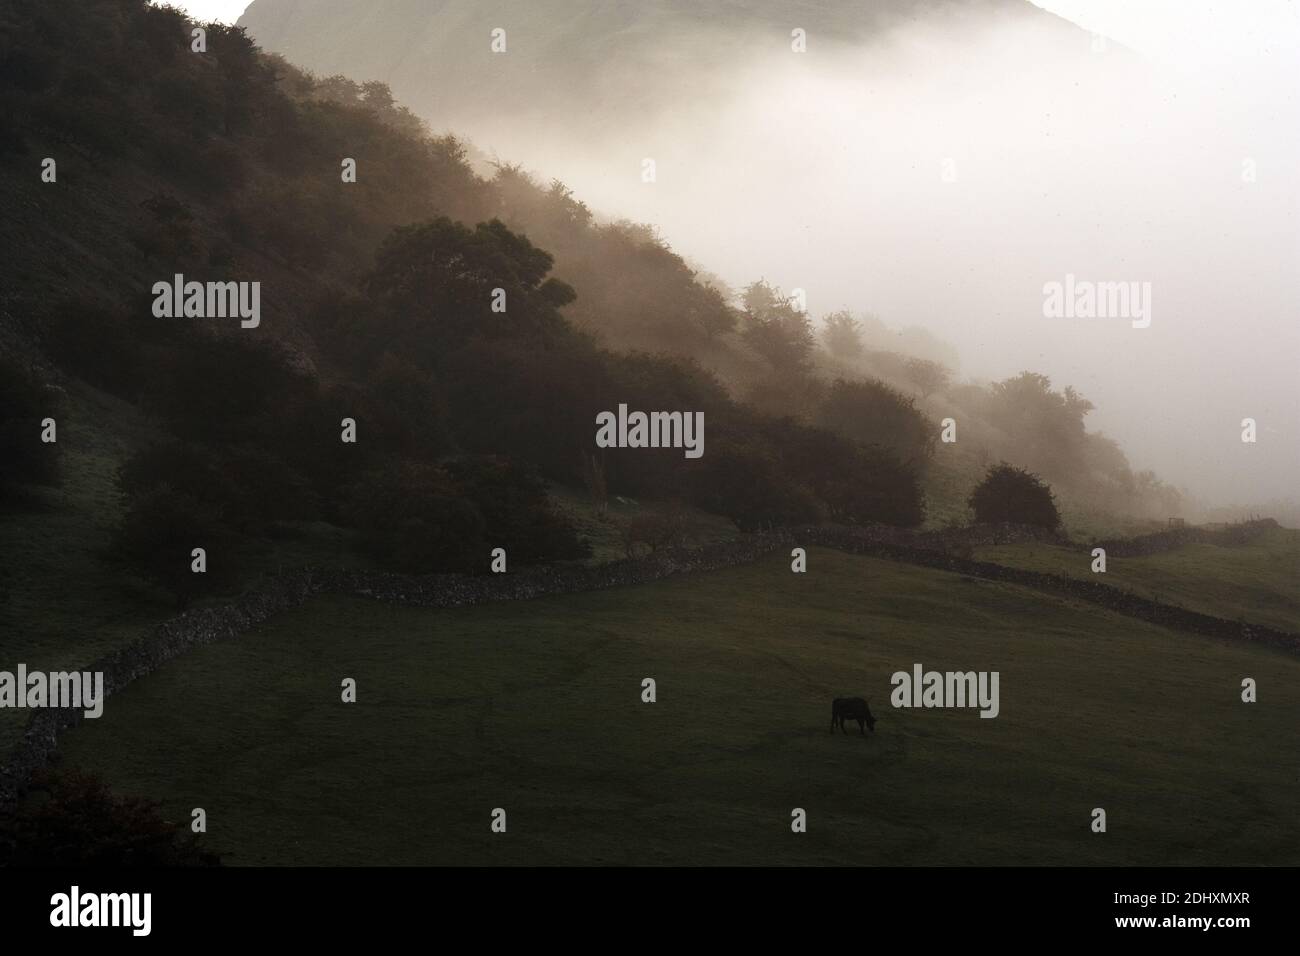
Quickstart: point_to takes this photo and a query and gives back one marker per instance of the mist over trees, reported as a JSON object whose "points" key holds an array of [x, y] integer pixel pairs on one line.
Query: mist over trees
{"points": [[380, 300]]}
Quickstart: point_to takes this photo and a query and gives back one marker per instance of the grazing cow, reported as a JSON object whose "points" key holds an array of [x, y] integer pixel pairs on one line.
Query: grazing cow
{"points": [[851, 708]]}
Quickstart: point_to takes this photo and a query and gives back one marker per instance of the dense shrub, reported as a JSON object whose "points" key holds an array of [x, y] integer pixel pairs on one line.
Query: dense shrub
{"points": [[653, 531], [410, 517], [434, 284], [72, 819], [856, 484], [422, 518], [95, 341], [217, 388], [516, 511], [24, 402], [872, 487], [249, 488], [166, 230], [161, 529], [872, 413], [746, 484], [531, 402], [776, 329], [1010, 494]]}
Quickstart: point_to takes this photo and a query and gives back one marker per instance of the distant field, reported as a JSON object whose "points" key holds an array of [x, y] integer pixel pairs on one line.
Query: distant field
{"points": [[1258, 583], [535, 707]]}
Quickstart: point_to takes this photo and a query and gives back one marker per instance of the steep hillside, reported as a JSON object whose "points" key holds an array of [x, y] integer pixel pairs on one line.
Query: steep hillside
{"points": [[377, 307]]}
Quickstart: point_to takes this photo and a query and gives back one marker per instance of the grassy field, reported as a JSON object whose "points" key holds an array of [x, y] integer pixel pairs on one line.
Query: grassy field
{"points": [[1258, 583], [64, 599], [535, 707]]}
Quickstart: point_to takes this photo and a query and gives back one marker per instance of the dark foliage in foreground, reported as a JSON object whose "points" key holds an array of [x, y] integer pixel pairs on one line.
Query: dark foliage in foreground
{"points": [[73, 819], [25, 401]]}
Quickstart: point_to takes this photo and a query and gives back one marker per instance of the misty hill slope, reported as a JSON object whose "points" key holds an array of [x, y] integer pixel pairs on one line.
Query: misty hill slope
{"points": [[226, 166], [577, 61]]}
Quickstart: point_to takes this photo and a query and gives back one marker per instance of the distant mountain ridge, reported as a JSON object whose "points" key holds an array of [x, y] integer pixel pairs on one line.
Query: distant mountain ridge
{"points": [[574, 60]]}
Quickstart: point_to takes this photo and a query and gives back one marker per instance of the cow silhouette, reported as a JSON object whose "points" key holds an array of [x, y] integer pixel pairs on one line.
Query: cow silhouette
{"points": [[851, 708]]}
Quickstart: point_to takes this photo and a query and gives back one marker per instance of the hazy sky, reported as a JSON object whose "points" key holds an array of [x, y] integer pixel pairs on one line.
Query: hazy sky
{"points": [[227, 11], [1175, 31], [1186, 32]]}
